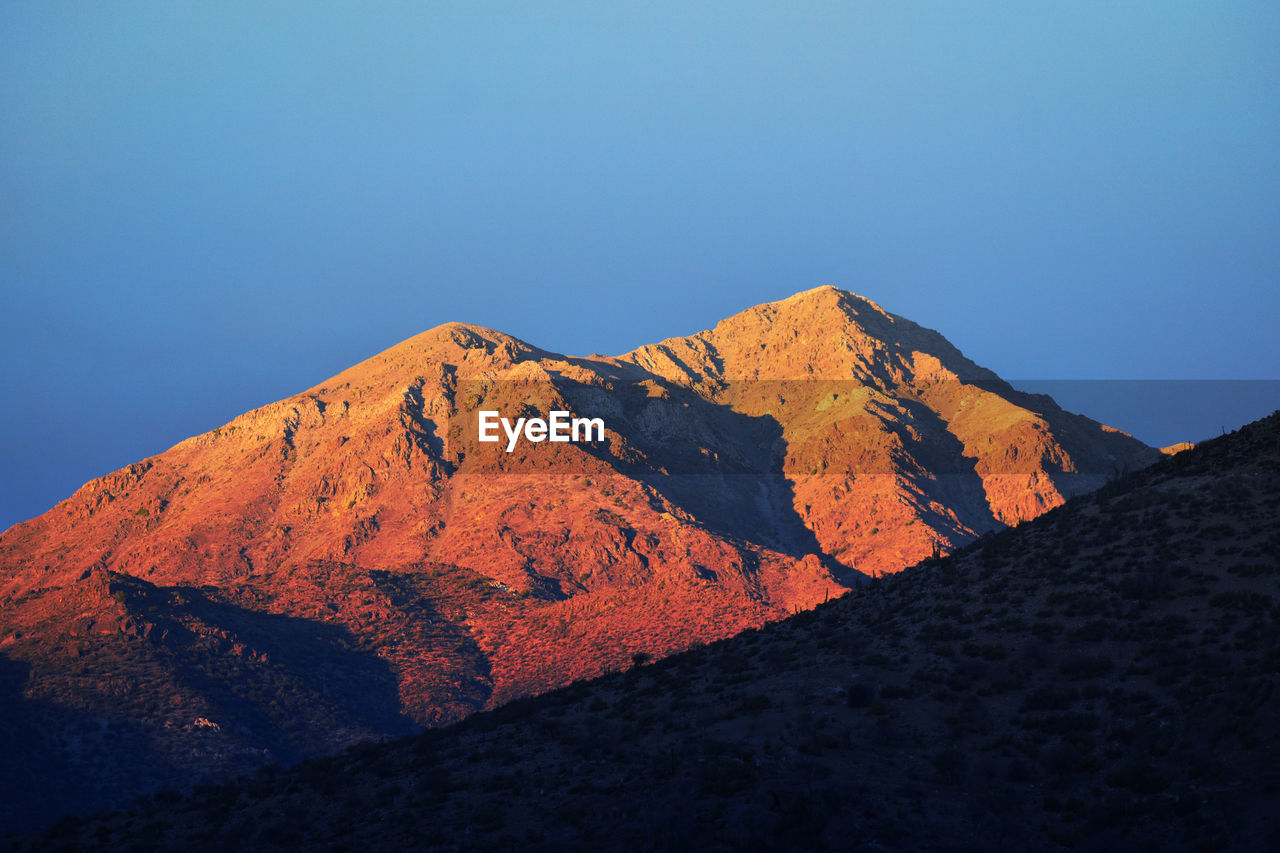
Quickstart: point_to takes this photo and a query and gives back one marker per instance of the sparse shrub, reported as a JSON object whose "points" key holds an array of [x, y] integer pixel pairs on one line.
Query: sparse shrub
{"points": [[1144, 586], [895, 691], [1139, 777], [986, 651], [1077, 602], [944, 632], [860, 695], [726, 775], [1085, 666], [1044, 630], [1062, 758], [950, 764], [1243, 599], [1063, 724], [1049, 699], [1094, 631]]}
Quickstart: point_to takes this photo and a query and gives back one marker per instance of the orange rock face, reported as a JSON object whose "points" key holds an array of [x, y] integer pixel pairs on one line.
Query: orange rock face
{"points": [[352, 561]]}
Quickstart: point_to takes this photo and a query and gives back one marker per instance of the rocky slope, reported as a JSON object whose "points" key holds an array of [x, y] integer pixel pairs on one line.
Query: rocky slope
{"points": [[351, 562], [1102, 678]]}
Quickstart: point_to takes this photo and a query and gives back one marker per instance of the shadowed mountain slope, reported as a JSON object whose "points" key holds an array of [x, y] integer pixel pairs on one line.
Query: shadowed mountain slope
{"points": [[1102, 678], [352, 561]]}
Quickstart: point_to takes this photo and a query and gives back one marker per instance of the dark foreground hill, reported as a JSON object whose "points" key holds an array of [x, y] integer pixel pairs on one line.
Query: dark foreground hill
{"points": [[1104, 677]]}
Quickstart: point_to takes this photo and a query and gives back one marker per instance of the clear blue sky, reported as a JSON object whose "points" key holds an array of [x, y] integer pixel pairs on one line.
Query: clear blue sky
{"points": [[204, 208]]}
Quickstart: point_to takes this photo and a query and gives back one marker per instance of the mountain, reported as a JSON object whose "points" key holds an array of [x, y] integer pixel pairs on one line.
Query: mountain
{"points": [[1101, 678], [353, 562]]}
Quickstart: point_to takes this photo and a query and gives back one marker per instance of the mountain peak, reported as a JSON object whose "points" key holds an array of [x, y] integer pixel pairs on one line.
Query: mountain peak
{"points": [[827, 308], [468, 336], [824, 304], [822, 333], [464, 348], [830, 295]]}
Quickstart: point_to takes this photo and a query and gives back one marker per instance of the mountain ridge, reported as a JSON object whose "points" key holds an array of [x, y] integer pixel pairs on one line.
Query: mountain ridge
{"points": [[749, 471]]}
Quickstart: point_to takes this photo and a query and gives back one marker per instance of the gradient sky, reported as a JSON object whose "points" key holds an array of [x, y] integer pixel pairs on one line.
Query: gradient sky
{"points": [[204, 208]]}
